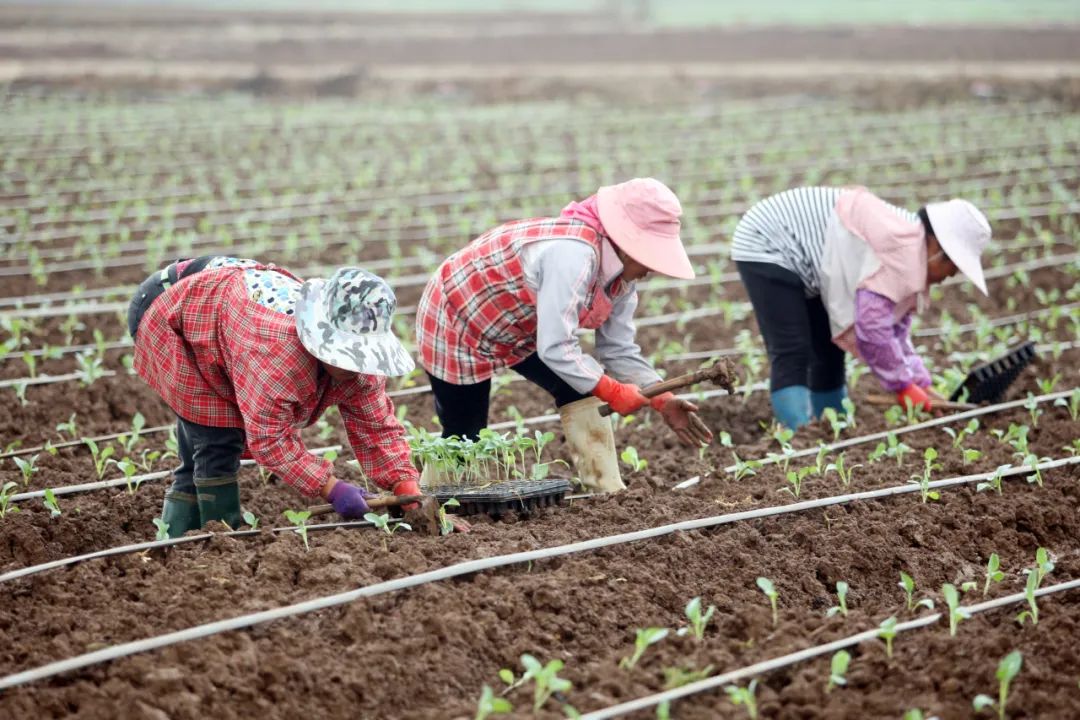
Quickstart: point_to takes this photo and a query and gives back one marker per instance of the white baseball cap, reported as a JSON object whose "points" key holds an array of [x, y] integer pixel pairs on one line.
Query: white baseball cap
{"points": [[963, 233]]}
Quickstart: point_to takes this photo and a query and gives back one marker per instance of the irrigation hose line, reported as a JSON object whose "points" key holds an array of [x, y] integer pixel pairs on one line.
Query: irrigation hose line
{"points": [[452, 571], [780, 510], [766, 666], [944, 420]]}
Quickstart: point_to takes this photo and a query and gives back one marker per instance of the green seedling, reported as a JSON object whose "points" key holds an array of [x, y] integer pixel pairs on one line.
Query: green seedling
{"points": [[966, 587], [744, 696], [1007, 670], [958, 436], [69, 428], [956, 613], [1034, 411], [50, 448], [843, 472], [644, 638], [629, 456], [795, 480], [101, 457], [993, 573], [892, 447], [1033, 461], [994, 481], [546, 679], [1043, 564], [783, 437], [820, 464], [490, 705], [698, 620], [20, 393], [923, 480], [446, 525], [27, 467], [724, 438], [250, 520], [51, 504], [907, 584], [382, 522], [841, 594], [128, 468], [299, 518], [745, 468], [31, 363], [130, 439], [838, 670], [769, 589], [887, 632], [1047, 385], [1072, 404], [970, 455], [162, 529], [676, 677], [917, 714], [147, 458], [90, 368], [837, 422], [5, 499]]}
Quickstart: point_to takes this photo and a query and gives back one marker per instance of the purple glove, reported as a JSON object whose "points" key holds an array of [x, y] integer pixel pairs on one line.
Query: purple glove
{"points": [[349, 501]]}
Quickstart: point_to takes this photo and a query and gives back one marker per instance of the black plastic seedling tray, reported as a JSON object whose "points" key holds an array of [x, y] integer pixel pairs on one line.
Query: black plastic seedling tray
{"points": [[988, 383], [523, 496]]}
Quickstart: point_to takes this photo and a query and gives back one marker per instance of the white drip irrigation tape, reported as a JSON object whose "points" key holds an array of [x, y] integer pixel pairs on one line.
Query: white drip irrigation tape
{"points": [[452, 571], [51, 379], [944, 420], [766, 666]]}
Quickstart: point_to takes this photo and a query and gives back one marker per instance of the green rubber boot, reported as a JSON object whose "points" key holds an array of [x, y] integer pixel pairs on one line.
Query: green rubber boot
{"points": [[219, 499], [181, 512]]}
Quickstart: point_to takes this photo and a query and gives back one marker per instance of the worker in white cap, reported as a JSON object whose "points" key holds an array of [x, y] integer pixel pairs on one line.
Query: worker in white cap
{"points": [[830, 270]]}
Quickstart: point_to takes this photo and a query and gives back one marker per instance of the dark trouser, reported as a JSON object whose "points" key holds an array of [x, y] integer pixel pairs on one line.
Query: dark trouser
{"points": [[795, 328], [463, 409]]}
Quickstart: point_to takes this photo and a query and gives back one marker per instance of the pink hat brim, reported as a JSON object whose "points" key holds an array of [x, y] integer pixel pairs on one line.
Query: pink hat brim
{"points": [[662, 253]]}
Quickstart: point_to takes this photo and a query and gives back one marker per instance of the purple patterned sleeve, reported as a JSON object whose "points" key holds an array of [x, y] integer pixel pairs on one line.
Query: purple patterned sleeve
{"points": [[877, 341], [919, 374]]}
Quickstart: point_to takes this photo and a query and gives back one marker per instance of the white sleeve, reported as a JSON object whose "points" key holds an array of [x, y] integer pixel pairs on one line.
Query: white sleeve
{"points": [[617, 349]]}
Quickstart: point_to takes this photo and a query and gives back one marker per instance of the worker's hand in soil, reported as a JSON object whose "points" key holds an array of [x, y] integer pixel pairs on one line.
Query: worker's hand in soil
{"points": [[348, 501], [914, 395], [408, 487], [624, 398], [681, 416]]}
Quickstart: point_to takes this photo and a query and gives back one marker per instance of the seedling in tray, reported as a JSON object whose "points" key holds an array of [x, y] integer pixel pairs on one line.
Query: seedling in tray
{"points": [[644, 638], [769, 589], [1007, 670]]}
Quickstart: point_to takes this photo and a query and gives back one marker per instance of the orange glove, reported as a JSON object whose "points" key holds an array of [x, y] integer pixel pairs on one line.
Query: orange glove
{"points": [[408, 487], [623, 398], [916, 395], [681, 416]]}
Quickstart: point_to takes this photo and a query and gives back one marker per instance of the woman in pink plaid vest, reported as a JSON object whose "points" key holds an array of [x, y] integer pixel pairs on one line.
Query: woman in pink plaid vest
{"points": [[518, 295]]}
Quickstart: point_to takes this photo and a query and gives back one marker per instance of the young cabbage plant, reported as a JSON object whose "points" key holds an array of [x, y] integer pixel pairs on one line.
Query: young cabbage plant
{"points": [[698, 620], [130, 439], [970, 455], [382, 522], [838, 668], [956, 613], [769, 589], [51, 504], [250, 520], [162, 532], [907, 584], [629, 456], [6, 492], [923, 480], [744, 696], [68, 428], [545, 678], [27, 467], [745, 468], [958, 436], [299, 518], [128, 468], [795, 480], [993, 572], [676, 677], [446, 525], [994, 481], [887, 632], [101, 456], [917, 714], [1072, 404], [841, 594], [1033, 408], [490, 705], [644, 638], [1007, 670], [843, 472]]}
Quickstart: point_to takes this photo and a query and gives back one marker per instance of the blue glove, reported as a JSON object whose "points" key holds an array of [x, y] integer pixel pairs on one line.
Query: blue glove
{"points": [[349, 501]]}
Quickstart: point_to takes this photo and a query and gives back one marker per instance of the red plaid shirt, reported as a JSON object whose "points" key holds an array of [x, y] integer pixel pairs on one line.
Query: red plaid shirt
{"points": [[220, 359]]}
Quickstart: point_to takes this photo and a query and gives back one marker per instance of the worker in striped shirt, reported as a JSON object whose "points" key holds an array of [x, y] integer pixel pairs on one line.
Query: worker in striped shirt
{"points": [[830, 270]]}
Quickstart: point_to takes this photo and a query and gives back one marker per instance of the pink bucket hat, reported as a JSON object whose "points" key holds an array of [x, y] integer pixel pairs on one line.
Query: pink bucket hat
{"points": [[642, 217], [963, 233]]}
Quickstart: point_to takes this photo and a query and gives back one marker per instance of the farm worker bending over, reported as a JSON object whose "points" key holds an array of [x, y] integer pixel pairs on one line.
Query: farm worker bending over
{"points": [[246, 353], [832, 269], [518, 295]]}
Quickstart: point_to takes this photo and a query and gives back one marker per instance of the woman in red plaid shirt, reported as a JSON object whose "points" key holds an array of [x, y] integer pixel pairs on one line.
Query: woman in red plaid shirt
{"points": [[518, 295], [247, 355]]}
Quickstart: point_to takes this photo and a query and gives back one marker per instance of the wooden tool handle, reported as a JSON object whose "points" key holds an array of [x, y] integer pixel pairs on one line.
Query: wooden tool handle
{"points": [[379, 501], [716, 373], [886, 400]]}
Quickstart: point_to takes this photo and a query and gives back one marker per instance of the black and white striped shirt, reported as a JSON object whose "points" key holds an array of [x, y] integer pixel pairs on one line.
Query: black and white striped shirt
{"points": [[788, 229]]}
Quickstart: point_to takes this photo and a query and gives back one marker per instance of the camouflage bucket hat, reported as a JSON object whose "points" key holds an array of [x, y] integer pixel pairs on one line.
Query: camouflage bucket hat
{"points": [[345, 322]]}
